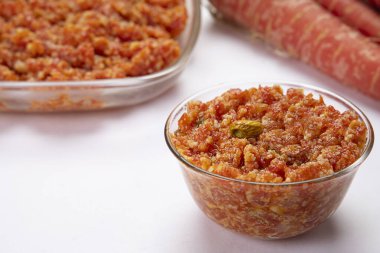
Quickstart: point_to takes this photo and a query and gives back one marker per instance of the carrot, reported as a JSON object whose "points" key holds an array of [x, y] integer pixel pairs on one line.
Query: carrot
{"points": [[305, 30], [375, 2], [355, 14]]}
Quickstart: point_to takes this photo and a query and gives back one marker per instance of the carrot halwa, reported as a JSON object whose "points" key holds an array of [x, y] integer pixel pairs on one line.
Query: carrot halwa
{"points": [[298, 137], [88, 39]]}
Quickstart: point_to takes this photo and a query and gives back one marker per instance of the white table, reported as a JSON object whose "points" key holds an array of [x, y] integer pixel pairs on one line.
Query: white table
{"points": [[106, 182]]}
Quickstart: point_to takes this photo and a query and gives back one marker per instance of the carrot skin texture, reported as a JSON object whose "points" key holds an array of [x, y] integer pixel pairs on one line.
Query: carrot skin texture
{"points": [[305, 30], [356, 15]]}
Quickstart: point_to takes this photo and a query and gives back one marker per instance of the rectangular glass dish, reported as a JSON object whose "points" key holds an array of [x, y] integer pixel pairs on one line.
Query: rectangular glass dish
{"points": [[44, 96]]}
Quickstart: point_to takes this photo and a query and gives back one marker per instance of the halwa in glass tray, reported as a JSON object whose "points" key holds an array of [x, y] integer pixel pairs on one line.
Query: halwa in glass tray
{"points": [[45, 96]]}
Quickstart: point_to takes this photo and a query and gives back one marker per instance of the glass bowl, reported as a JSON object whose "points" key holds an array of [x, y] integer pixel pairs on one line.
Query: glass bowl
{"points": [[101, 94], [267, 210]]}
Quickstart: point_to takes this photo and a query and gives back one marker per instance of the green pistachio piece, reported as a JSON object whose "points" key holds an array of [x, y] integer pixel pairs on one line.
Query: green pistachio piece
{"points": [[246, 129]]}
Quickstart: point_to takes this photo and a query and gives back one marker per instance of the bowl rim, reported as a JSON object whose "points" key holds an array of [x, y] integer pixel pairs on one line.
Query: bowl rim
{"points": [[146, 80], [320, 91]]}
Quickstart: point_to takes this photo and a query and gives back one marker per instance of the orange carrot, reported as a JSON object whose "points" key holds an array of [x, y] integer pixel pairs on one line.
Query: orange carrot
{"points": [[355, 14], [305, 30]]}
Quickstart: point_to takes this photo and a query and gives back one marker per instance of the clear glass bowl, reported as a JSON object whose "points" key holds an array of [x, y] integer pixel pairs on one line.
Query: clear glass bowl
{"points": [[101, 94], [267, 210]]}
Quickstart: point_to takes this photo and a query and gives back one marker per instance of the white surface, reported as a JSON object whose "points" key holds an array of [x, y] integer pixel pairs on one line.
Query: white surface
{"points": [[106, 182]]}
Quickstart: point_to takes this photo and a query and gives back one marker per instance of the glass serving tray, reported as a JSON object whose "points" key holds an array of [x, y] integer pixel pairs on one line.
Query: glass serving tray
{"points": [[100, 94]]}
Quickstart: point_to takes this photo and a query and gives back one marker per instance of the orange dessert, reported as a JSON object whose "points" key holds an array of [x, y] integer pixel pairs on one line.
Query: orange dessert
{"points": [[299, 137], [265, 163], [88, 39]]}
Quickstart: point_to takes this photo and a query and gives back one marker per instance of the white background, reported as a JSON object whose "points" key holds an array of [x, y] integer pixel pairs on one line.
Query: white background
{"points": [[106, 182]]}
